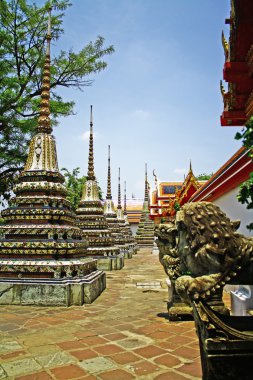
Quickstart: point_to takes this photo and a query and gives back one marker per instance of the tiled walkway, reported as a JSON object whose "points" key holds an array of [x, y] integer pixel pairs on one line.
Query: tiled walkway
{"points": [[123, 335]]}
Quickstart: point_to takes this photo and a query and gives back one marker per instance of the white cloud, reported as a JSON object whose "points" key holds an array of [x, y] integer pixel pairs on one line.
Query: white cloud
{"points": [[179, 171], [85, 136], [141, 115]]}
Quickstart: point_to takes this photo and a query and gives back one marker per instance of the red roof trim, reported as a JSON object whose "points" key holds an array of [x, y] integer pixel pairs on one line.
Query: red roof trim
{"points": [[235, 171]]}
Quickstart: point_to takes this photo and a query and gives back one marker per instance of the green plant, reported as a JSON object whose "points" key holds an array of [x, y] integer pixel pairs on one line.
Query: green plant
{"points": [[245, 195]]}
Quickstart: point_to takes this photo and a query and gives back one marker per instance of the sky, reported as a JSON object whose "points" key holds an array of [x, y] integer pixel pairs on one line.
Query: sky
{"points": [[158, 101]]}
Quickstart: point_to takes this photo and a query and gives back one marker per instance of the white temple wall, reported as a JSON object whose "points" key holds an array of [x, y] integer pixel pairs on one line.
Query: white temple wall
{"points": [[235, 210]]}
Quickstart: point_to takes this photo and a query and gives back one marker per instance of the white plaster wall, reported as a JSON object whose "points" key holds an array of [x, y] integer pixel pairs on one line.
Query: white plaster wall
{"points": [[235, 210]]}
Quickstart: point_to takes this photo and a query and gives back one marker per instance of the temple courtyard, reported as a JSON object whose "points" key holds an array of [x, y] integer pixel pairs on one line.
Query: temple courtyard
{"points": [[123, 335]]}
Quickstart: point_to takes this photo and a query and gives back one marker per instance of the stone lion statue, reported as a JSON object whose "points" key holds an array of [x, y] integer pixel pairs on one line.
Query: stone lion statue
{"points": [[168, 254], [210, 251]]}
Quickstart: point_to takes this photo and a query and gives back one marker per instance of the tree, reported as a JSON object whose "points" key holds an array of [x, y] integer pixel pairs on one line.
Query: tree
{"points": [[23, 29], [204, 176], [245, 195], [74, 184]]}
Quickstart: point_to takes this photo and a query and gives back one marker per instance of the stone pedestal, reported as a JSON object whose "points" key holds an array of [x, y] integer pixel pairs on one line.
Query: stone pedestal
{"points": [[226, 344], [52, 291]]}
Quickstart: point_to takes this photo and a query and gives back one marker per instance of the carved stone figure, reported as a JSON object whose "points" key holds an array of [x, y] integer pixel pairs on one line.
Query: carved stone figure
{"points": [[211, 251], [168, 256]]}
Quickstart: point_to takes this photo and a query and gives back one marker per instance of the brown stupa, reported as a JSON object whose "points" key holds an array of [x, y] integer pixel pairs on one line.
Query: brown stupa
{"points": [[145, 231], [111, 216], [92, 221], [42, 251]]}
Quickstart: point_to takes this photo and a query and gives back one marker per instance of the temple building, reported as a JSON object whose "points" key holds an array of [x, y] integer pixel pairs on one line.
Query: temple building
{"points": [[91, 219], [168, 197], [111, 217], [145, 231], [223, 187], [238, 66], [43, 254]]}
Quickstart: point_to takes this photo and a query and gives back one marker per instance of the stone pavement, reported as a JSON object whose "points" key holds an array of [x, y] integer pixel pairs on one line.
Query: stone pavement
{"points": [[123, 335]]}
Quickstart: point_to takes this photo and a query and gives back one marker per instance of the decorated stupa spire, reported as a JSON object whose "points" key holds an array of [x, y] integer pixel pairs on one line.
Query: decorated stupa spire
{"points": [[109, 192], [125, 211], [44, 124], [91, 174], [146, 184], [119, 193], [190, 167]]}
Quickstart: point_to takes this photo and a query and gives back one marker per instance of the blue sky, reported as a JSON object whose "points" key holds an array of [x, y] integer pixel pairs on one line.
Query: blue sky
{"points": [[158, 101]]}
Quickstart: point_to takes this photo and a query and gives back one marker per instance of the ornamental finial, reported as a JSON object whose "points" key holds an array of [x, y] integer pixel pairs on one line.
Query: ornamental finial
{"points": [[119, 194], [109, 193], [125, 208], [91, 174], [225, 45], [44, 124], [146, 184]]}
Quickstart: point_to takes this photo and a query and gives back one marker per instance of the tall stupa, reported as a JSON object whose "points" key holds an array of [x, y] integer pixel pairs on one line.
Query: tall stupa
{"points": [[145, 231], [129, 234], [43, 254], [111, 217], [91, 219]]}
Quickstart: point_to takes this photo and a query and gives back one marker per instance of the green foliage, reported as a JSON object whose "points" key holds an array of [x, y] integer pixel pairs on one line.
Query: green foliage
{"points": [[23, 28], [176, 206], [245, 195], [74, 185], [204, 176]]}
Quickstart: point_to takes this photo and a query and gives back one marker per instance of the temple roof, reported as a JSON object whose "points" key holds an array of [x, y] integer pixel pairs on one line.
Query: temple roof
{"points": [[235, 171]]}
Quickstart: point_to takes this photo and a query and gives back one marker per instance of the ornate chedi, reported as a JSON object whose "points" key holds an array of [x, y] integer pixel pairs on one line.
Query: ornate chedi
{"points": [[91, 219], [212, 254], [121, 223], [130, 238], [145, 231], [42, 251], [111, 216]]}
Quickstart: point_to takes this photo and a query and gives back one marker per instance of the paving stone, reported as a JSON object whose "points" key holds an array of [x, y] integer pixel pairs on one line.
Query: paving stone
{"points": [[150, 351], [125, 357], [12, 355], [36, 376], [8, 346], [43, 350], [22, 366], [99, 364], [84, 354], [3, 374], [170, 375], [168, 360], [108, 349], [68, 372], [193, 369], [71, 345], [186, 352], [134, 324], [94, 341], [54, 359], [143, 368], [117, 374], [115, 336]]}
